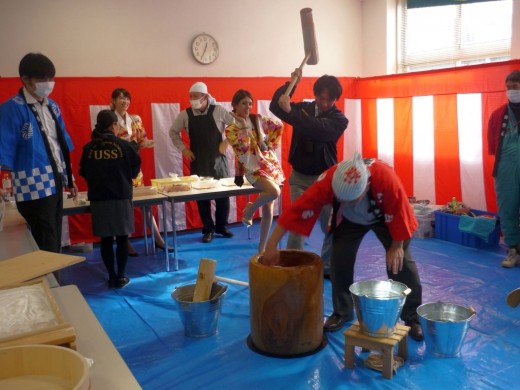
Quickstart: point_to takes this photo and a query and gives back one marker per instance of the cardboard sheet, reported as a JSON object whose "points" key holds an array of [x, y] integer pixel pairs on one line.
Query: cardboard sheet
{"points": [[32, 265]]}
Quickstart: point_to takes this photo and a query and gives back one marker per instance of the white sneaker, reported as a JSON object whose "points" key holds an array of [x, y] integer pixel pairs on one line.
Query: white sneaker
{"points": [[512, 258]]}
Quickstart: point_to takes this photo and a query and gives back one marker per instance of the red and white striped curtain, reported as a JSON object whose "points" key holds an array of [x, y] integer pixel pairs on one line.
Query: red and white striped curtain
{"points": [[430, 126], [434, 142]]}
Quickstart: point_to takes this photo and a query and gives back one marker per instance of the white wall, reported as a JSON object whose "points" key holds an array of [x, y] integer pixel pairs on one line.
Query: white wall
{"points": [[515, 39], [153, 37], [379, 38]]}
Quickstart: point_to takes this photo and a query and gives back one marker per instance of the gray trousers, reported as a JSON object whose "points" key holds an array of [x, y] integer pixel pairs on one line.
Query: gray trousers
{"points": [[298, 184]]}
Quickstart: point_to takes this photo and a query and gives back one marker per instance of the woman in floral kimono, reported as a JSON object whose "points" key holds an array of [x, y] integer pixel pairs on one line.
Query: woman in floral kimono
{"points": [[254, 139]]}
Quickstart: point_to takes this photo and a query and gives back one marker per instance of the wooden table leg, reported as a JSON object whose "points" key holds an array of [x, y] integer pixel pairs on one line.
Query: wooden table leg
{"points": [[388, 363], [349, 356], [402, 350]]}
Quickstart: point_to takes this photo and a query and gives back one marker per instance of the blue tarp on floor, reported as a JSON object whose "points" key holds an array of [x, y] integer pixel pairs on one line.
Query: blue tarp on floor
{"points": [[143, 322]]}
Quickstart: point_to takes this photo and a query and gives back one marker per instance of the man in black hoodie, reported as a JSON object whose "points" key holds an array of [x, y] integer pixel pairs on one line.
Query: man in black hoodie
{"points": [[317, 127]]}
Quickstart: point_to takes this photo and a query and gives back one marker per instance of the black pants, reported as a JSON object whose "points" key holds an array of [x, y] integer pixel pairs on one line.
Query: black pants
{"points": [[121, 257], [221, 214], [346, 240], [44, 217]]}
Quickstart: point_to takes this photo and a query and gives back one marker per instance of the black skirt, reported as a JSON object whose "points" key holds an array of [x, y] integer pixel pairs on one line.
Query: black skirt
{"points": [[112, 217]]}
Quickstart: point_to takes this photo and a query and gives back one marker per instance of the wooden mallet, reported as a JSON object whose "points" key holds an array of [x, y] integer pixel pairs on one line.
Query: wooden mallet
{"points": [[309, 44], [205, 279]]}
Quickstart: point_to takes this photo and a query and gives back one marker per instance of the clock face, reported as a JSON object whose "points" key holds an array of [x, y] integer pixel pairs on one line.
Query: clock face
{"points": [[204, 49]]}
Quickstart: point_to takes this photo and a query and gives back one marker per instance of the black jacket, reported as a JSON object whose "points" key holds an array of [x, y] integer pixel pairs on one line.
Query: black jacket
{"points": [[313, 144], [109, 167]]}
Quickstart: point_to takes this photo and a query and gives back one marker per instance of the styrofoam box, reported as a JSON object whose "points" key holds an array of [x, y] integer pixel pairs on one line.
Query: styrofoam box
{"points": [[447, 228], [426, 226]]}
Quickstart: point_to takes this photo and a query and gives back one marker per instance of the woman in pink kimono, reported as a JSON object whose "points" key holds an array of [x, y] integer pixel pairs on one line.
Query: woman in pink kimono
{"points": [[254, 139]]}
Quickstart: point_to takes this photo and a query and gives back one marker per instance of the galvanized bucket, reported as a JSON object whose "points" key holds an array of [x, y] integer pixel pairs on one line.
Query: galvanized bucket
{"points": [[444, 326], [378, 305], [200, 319]]}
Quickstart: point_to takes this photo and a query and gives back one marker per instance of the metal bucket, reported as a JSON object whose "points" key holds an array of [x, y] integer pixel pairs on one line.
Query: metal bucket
{"points": [[200, 319], [378, 305], [444, 326]]}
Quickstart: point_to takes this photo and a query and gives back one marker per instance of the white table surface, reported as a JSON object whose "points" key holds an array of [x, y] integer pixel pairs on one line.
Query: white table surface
{"points": [[142, 201], [221, 191], [109, 371], [202, 194], [15, 238]]}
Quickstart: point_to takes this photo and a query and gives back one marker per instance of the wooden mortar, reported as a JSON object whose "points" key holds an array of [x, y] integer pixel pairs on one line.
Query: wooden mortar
{"points": [[286, 303]]}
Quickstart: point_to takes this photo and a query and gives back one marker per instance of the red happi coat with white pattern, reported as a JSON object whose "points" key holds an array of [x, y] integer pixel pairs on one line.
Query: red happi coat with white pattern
{"points": [[386, 190]]}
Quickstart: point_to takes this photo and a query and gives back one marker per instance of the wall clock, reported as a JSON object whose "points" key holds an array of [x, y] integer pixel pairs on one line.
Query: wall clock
{"points": [[204, 48]]}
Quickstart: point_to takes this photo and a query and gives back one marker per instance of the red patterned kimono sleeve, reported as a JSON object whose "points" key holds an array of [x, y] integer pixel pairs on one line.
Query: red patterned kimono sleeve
{"points": [[301, 216]]}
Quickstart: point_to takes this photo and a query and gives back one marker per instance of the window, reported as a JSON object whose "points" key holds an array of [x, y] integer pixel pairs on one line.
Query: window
{"points": [[442, 36]]}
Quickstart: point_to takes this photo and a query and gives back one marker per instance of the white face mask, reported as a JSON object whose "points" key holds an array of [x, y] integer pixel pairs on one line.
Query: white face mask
{"points": [[196, 104], [513, 95], [43, 89]]}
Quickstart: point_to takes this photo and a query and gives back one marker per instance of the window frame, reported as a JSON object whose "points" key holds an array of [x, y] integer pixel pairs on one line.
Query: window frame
{"points": [[458, 55]]}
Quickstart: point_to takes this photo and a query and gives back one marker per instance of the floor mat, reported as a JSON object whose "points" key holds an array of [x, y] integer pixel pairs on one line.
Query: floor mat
{"points": [[143, 322]]}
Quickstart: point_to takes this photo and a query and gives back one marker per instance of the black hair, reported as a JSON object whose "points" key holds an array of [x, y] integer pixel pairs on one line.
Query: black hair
{"points": [[513, 77], [104, 120], [329, 83], [36, 65], [121, 91], [239, 95]]}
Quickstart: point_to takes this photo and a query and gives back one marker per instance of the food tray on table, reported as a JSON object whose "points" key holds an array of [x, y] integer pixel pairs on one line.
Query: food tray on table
{"points": [[174, 183], [159, 183], [205, 183], [230, 182], [144, 191], [81, 200], [175, 187], [184, 179]]}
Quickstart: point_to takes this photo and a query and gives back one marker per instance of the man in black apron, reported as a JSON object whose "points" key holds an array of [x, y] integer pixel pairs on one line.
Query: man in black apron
{"points": [[205, 122]]}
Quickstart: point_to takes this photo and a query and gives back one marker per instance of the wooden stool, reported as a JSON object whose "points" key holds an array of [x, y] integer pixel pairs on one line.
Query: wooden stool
{"points": [[354, 337]]}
